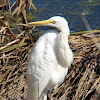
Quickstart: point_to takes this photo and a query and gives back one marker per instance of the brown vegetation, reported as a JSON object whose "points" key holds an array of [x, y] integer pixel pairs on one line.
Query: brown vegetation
{"points": [[83, 79]]}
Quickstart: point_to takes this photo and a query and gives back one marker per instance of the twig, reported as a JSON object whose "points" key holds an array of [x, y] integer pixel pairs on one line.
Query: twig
{"points": [[9, 57], [9, 6], [81, 83], [12, 6], [89, 29], [8, 44], [12, 69], [5, 74], [93, 87], [8, 28], [31, 4]]}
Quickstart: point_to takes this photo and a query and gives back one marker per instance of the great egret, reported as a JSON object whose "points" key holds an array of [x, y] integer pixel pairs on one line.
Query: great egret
{"points": [[49, 59]]}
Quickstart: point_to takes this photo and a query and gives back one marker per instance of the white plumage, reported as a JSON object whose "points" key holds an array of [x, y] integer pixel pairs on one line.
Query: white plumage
{"points": [[49, 59]]}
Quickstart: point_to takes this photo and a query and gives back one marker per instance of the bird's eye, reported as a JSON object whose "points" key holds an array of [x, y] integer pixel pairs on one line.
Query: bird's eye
{"points": [[53, 22]]}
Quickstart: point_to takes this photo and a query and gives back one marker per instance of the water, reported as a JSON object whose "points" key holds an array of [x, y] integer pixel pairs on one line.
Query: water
{"points": [[71, 10]]}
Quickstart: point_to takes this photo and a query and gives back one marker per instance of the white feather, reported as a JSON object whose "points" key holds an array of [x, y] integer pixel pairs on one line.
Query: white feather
{"points": [[49, 61]]}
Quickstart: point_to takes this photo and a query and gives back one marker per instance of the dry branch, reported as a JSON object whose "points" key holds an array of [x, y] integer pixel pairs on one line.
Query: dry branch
{"points": [[8, 44], [8, 28], [82, 81]]}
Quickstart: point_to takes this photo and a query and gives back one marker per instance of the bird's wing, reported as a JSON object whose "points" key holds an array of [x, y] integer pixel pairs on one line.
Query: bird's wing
{"points": [[41, 61]]}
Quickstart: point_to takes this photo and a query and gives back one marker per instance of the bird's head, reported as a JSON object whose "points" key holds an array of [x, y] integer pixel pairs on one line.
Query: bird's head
{"points": [[56, 21]]}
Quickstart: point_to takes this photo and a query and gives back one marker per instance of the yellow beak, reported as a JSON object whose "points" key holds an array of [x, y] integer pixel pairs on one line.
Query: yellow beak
{"points": [[44, 22]]}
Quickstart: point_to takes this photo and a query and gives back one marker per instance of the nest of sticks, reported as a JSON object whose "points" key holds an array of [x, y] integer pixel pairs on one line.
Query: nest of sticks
{"points": [[81, 82]]}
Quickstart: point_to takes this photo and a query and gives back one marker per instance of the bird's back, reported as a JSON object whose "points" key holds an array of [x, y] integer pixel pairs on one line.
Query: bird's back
{"points": [[40, 65]]}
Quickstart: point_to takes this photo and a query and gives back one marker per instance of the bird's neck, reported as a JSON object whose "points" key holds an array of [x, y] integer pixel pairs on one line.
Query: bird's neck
{"points": [[64, 40], [64, 37], [65, 31], [63, 49]]}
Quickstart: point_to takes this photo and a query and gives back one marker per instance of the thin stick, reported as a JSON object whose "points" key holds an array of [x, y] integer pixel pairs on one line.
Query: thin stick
{"points": [[9, 6], [89, 29], [8, 44], [8, 28]]}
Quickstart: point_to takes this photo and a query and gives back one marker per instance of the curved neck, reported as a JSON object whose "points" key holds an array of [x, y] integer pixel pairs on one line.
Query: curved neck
{"points": [[64, 40], [62, 49], [65, 31]]}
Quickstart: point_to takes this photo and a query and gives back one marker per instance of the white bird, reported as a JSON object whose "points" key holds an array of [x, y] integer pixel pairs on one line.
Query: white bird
{"points": [[49, 59]]}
